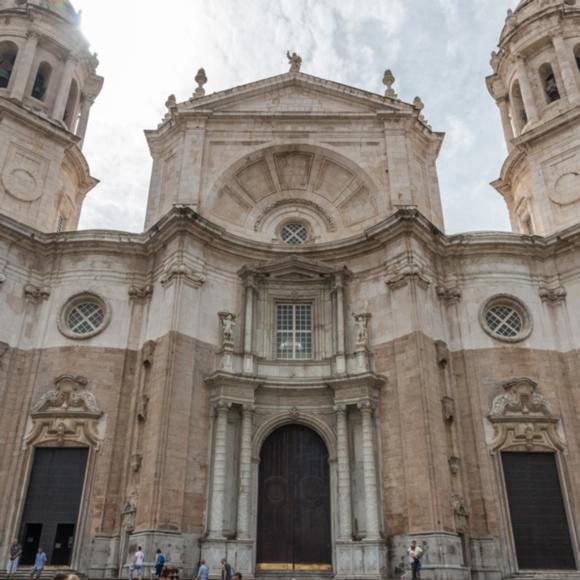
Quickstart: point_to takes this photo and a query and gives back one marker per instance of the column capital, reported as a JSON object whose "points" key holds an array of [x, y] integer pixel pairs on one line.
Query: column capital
{"points": [[340, 409], [248, 409], [222, 406], [32, 35], [367, 407]]}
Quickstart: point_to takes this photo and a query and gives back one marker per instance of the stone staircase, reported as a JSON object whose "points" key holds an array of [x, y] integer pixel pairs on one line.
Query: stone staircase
{"points": [[24, 572], [547, 575]]}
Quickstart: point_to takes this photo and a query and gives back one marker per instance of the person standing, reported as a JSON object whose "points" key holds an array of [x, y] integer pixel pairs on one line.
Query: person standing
{"points": [[39, 564], [203, 571], [159, 562], [138, 560], [415, 553], [14, 554], [226, 570]]}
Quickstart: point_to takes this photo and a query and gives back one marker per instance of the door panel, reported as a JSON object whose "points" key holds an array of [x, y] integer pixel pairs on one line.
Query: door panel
{"points": [[30, 543], [539, 522], [54, 496], [294, 500]]}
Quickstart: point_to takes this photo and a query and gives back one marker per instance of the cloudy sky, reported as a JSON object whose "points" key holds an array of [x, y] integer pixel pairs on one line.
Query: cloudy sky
{"points": [[437, 49]]}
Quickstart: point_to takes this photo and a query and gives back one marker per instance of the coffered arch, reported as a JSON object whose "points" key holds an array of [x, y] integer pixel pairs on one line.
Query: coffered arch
{"points": [[330, 192]]}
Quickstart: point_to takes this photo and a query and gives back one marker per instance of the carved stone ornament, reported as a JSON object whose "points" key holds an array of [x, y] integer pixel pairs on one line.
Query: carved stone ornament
{"points": [[295, 62], [461, 514], [328, 220], [136, 461], [448, 407], [129, 511], [228, 322], [181, 271], [201, 80], [67, 414], [361, 321], [553, 294], [4, 348], [141, 293], [454, 464], [389, 81], [449, 294], [294, 413], [403, 273], [148, 353], [442, 351], [522, 418], [36, 294], [142, 408]]}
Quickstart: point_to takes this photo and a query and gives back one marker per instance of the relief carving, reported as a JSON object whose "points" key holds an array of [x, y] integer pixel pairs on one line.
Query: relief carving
{"points": [[553, 294], [36, 294], [402, 273], [68, 413], [448, 406], [522, 418], [228, 322], [442, 353], [24, 174], [141, 293], [361, 322], [181, 271], [449, 294]]}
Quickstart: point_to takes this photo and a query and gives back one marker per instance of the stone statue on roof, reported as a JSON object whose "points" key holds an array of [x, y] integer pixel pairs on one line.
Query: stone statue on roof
{"points": [[295, 61]]}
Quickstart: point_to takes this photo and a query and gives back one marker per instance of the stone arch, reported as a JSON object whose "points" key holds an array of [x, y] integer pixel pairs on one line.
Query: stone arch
{"points": [[42, 81], [8, 53], [518, 109], [309, 420], [255, 191], [549, 83]]}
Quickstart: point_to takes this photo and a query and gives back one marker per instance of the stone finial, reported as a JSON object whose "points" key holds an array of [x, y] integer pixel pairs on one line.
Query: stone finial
{"points": [[389, 81], [418, 104], [200, 79], [295, 61]]}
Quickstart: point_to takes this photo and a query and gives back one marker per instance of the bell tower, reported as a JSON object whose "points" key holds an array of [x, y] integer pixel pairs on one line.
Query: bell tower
{"points": [[536, 85], [48, 83]]}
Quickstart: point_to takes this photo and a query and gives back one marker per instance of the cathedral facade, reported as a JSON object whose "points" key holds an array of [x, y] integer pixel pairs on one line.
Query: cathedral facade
{"points": [[293, 366]]}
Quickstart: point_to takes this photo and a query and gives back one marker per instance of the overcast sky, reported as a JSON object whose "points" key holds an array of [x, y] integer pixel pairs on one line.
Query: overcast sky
{"points": [[437, 49]]}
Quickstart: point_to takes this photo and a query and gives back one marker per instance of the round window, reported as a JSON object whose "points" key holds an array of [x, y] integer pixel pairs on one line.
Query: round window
{"points": [[294, 234], [83, 316], [506, 318]]}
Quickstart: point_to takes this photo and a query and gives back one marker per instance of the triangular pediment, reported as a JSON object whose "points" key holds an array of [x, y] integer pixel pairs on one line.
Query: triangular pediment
{"points": [[293, 268], [296, 93]]}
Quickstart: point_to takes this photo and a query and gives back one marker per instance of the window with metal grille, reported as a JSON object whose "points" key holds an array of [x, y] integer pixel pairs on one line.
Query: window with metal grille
{"points": [[85, 318], [294, 234], [504, 321], [294, 331]]}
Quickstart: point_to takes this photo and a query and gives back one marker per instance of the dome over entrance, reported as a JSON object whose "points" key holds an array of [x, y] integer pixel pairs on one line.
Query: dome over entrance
{"points": [[61, 7]]}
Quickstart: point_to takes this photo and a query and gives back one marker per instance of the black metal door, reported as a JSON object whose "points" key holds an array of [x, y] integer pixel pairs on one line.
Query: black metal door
{"points": [[53, 499], [30, 543], [63, 544], [294, 501], [539, 522]]}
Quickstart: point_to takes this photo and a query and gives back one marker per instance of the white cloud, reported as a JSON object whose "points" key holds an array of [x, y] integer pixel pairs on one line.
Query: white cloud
{"points": [[439, 50]]}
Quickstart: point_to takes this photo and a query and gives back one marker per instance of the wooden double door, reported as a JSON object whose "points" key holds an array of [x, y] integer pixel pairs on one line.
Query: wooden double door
{"points": [[294, 502]]}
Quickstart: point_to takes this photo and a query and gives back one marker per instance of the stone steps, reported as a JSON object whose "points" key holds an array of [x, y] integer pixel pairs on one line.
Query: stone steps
{"points": [[547, 575]]}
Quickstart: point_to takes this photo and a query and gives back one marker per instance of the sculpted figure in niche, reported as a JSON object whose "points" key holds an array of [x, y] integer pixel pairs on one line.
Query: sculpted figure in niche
{"points": [[228, 321], [361, 322], [295, 62]]}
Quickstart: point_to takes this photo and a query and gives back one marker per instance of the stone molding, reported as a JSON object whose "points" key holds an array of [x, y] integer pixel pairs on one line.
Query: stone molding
{"points": [[521, 418], [181, 271], [36, 294], [141, 293], [409, 271], [553, 295], [326, 217], [66, 414]]}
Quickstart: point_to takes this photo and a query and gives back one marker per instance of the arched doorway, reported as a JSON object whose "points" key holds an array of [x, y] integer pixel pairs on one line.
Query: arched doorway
{"points": [[294, 502]]}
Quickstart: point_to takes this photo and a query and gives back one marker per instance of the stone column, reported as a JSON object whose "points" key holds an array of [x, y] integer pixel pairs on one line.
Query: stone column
{"points": [[340, 334], [506, 121], [63, 89], [249, 327], [568, 68], [23, 66], [219, 471], [344, 485], [370, 471], [245, 473], [86, 104], [527, 92]]}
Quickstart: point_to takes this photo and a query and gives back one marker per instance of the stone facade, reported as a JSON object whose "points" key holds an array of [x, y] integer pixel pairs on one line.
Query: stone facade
{"points": [[429, 355]]}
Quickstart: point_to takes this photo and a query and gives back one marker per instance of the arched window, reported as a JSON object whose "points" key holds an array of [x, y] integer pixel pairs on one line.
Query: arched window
{"points": [[519, 115], [8, 52], [71, 105], [549, 83], [41, 81]]}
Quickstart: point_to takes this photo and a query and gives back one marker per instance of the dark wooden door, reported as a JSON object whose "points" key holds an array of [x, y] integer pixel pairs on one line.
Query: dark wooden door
{"points": [[53, 500], [294, 500], [539, 522]]}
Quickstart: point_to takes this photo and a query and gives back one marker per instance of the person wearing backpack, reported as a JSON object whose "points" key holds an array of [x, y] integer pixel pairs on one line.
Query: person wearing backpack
{"points": [[159, 562]]}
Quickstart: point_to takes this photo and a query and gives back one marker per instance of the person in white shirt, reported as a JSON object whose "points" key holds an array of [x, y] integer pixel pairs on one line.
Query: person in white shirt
{"points": [[415, 554], [138, 559]]}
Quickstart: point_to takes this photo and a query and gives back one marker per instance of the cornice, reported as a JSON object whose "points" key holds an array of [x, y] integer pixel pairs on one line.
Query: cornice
{"points": [[182, 221]]}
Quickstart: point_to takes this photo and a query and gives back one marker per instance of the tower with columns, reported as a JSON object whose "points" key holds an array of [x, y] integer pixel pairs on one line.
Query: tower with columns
{"points": [[48, 83], [536, 85]]}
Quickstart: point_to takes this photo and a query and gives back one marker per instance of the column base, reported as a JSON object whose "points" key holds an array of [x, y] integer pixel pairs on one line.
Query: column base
{"points": [[365, 559], [239, 554]]}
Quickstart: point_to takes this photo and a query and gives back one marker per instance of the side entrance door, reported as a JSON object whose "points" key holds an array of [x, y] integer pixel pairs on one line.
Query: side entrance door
{"points": [[294, 502]]}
